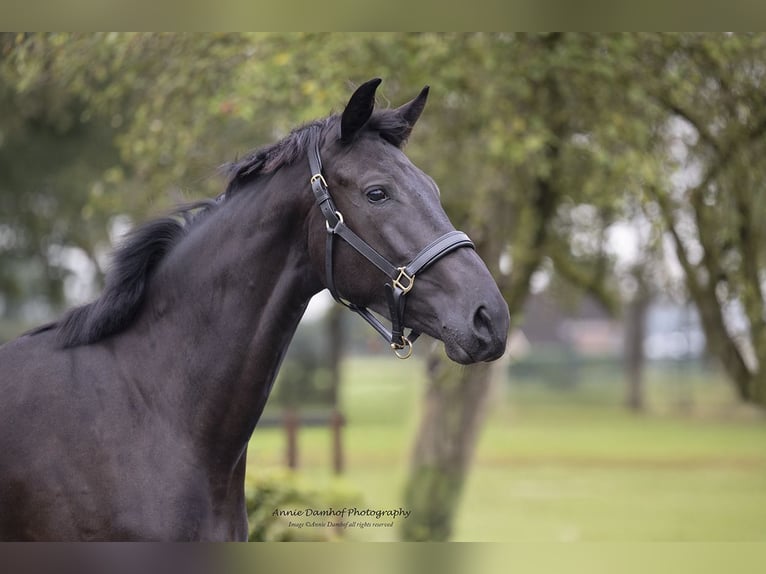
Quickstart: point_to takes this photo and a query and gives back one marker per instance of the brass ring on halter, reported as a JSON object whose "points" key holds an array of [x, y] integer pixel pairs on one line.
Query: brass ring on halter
{"points": [[406, 348], [404, 282]]}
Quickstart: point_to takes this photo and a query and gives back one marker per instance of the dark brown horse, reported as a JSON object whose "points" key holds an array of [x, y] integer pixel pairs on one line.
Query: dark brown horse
{"points": [[130, 417]]}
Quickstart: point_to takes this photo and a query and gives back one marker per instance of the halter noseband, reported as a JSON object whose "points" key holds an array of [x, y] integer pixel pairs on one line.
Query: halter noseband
{"points": [[402, 278]]}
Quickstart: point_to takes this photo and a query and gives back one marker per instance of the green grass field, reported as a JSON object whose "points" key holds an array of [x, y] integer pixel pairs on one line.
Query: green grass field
{"points": [[558, 466]]}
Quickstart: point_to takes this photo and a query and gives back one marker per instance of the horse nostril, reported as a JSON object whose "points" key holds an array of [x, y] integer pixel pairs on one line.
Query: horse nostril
{"points": [[482, 323]]}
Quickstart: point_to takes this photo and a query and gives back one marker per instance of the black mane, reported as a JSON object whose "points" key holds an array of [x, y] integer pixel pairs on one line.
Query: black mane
{"points": [[136, 259], [132, 267], [270, 158]]}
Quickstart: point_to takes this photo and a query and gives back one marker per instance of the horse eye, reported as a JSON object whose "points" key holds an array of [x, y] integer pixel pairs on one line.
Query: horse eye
{"points": [[376, 195]]}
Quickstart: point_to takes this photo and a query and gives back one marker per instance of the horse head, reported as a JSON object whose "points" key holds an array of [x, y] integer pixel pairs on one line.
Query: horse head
{"points": [[381, 239]]}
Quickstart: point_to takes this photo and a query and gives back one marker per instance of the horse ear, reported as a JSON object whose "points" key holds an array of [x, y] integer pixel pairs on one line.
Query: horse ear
{"points": [[358, 110], [411, 110]]}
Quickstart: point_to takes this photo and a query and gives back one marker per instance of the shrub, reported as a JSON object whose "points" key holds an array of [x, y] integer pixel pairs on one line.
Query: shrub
{"points": [[283, 489]]}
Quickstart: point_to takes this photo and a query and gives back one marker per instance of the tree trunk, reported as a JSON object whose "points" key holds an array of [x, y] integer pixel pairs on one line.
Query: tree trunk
{"points": [[455, 403], [635, 332], [456, 397], [291, 423]]}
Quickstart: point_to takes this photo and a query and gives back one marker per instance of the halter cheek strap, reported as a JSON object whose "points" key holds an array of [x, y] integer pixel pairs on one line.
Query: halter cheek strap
{"points": [[402, 278]]}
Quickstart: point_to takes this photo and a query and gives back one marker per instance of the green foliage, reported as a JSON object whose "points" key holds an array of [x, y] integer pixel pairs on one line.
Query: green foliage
{"points": [[51, 164], [282, 489]]}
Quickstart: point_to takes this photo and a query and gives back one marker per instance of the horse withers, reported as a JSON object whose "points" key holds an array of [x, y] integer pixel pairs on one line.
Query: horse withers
{"points": [[129, 418]]}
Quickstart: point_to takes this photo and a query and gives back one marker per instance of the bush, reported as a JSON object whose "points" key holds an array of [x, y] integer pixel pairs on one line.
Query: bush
{"points": [[283, 489]]}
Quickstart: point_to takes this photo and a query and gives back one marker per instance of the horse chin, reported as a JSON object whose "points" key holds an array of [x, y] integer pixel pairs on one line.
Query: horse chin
{"points": [[458, 354], [469, 351]]}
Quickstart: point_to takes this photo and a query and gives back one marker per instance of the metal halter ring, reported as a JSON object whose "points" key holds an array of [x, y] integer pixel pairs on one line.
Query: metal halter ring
{"points": [[339, 215], [410, 280], [407, 348]]}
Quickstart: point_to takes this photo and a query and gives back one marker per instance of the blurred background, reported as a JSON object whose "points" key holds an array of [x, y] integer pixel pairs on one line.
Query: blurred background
{"points": [[614, 184]]}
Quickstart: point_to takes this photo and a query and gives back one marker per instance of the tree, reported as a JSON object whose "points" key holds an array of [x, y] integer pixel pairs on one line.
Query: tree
{"points": [[83, 140], [711, 89], [52, 163], [547, 173]]}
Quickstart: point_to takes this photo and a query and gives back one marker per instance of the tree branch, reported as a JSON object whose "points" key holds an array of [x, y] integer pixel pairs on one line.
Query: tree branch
{"points": [[704, 297]]}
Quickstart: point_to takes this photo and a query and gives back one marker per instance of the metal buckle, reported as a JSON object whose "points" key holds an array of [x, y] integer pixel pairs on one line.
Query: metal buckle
{"points": [[318, 177], [407, 348], [403, 275], [339, 215]]}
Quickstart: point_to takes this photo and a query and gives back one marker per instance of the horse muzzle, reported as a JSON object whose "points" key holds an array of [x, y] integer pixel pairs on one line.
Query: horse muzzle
{"points": [[480, 336]]}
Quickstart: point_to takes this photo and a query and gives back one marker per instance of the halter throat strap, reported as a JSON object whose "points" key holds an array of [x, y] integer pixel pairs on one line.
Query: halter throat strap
{"points": [[402, 277]]}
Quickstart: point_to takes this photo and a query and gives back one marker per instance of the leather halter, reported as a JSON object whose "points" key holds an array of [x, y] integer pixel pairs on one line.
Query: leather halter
{"points": [[402, 278]]}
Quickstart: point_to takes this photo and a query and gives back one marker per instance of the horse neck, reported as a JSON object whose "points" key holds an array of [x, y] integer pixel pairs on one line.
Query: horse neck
{"points": [[225, 306]]}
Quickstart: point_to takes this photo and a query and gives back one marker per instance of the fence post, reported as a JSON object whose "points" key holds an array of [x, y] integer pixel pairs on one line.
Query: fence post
{"points": [[291, 423], [336, 425]]}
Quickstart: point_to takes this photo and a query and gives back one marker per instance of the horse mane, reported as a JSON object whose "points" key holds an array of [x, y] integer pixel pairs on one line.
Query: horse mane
{"points": [[133, 264], [136, 259], [271, 158]]}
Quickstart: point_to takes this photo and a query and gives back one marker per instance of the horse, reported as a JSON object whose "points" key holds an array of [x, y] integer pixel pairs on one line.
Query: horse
{"points": [[129, 418]]}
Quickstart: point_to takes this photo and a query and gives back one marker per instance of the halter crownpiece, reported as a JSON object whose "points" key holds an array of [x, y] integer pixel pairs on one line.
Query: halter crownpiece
{"points": [[402, 277]]}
